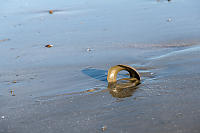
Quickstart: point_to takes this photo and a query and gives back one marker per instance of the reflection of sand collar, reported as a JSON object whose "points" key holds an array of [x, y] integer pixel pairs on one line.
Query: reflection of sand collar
{"points": [[123, 89]]}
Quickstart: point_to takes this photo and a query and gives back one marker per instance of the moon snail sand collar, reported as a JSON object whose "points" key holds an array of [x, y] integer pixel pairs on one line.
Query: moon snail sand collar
{"points": [[113, 71]]}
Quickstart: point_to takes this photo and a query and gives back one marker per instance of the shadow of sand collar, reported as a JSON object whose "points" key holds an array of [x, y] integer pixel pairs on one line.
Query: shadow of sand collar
{"points": [[96, 73]]}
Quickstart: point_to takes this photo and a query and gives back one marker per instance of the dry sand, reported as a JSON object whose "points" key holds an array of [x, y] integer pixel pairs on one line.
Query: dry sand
{"points": [[64, 88]]}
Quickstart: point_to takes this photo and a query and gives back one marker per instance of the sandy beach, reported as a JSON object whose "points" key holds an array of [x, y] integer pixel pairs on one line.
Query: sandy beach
{"points": [[64, 88]]}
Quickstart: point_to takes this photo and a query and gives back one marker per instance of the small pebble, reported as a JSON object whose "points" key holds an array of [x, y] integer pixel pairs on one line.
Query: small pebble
{"points": [[179, 115], [91, 90], [50, 11], [12, 93], [104, 128], [2, 117], [169, 20], [89, 49], [49, 46]]}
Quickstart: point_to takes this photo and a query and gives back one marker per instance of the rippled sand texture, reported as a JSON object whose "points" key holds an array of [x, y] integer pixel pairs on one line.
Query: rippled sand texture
{"points": [[64, 88]]}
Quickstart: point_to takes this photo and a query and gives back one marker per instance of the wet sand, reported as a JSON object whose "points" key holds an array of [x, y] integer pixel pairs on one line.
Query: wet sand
{"points": [[64, 88]]}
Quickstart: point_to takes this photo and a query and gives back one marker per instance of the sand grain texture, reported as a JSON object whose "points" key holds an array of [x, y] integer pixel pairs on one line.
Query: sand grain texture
{"points": [[64, 88]]}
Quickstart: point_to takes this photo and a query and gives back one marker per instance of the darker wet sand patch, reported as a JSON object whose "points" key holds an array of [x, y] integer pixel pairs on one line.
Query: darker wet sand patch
{"points": [[161, 45]]}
